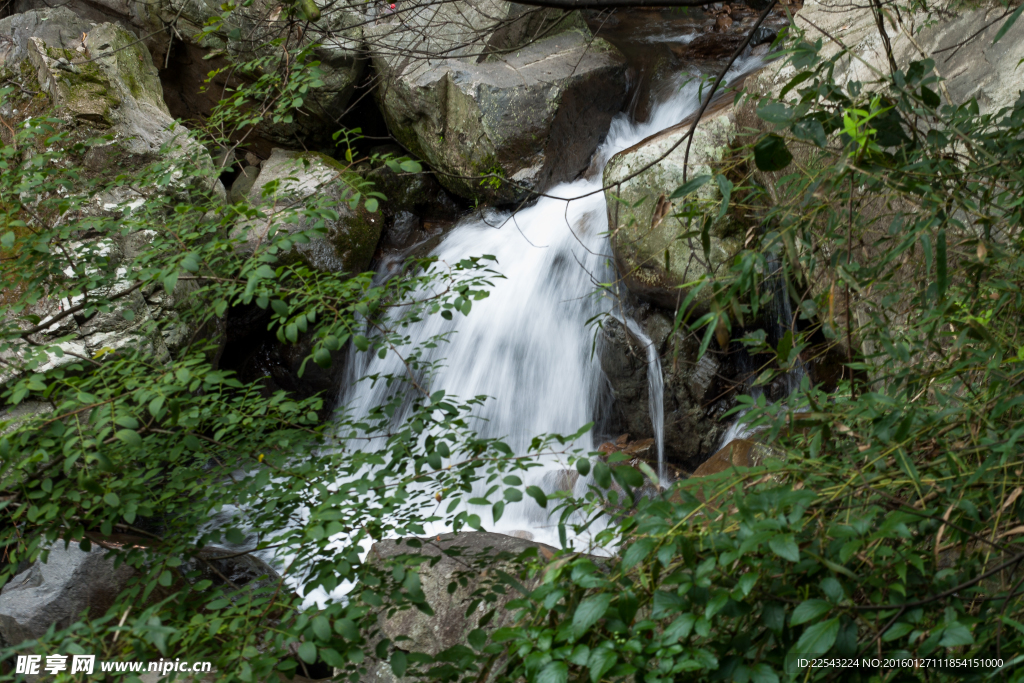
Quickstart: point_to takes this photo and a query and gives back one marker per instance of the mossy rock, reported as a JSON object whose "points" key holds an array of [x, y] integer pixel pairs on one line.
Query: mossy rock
{"points": [[528, 115], [653, 260], [305, 178]]}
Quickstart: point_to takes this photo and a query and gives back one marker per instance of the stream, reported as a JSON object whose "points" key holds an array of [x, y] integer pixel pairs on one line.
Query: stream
{"points": [[528, 346]]}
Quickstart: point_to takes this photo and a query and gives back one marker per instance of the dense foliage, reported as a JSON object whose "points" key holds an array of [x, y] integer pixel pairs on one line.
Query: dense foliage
{"points": [[891, 529]]}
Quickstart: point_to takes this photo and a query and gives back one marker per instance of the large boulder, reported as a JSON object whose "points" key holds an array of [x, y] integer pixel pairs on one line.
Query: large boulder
{"points": [[464, 87], [73, 581], [102, 77], [98, 80], [56, 592], [179, 37], [695, 391], [653, 258], [961, 48], [285, 182], [468, 560]]}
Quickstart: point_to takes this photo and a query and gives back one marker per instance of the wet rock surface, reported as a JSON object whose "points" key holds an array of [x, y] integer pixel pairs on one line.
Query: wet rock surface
{"points": [[696, 392]]}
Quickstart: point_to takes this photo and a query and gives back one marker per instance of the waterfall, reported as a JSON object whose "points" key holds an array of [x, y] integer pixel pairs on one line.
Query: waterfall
{"points": [[780, 317], [777, 320], [655, 394], [528, 346]]}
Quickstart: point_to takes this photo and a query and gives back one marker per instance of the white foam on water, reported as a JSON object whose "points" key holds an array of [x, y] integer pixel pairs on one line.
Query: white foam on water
{"points": [[528, 346]]}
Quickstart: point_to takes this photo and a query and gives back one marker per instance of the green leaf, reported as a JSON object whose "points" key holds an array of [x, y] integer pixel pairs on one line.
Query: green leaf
{"points": [[127, 421], [111, 499], [775, 112], [628, 476], [308, 652], [898, 631], [130, 437], [637, 552], [725, 187], [553, 672], [770, 153], [680, 628], [322, 357], [785, 547], [602, 659], [410, 166], [538, 495], [583, 467], [810, 130], [689, 186], [347, 629], [322, 628], [371, 205], [170, 282], [956, 634], [399, 663], [808, 610], [1008, 25], [7, 241], [589, 612], [817, 639]]}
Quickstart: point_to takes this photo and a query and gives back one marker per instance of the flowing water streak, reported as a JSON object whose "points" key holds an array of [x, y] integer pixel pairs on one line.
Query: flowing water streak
{"points": [[527, 346], [655, 394]]}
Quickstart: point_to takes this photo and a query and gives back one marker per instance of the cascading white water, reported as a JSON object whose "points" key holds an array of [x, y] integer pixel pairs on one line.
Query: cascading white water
{"points": [[527, 346], [655, 394]]}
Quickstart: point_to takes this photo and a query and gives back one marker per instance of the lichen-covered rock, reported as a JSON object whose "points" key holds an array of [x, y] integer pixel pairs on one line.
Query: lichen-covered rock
{"points": [[490, 101], [177, 35], [58, 27], [98, 80], [286, 180], [652, 259], [106, 77]]}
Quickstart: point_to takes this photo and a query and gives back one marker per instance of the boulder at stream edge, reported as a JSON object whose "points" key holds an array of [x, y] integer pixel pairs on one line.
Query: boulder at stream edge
{"points": [[499, 102]]}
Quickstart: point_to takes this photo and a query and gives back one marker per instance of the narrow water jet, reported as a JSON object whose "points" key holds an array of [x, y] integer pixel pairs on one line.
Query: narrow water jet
{"points": [[655, 394]]}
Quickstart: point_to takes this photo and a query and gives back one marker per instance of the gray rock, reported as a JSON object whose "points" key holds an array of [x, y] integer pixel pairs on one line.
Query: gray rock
{"points": [[449, 625], [653, 262], [243, 184], [58, 27], [242, 36], [691, 390], [55, 593], [530, 112], [350, 241], [403, 229]]}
